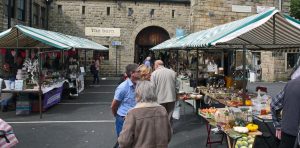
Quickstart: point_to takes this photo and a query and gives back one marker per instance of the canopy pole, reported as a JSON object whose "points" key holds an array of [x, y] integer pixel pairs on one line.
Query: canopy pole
{"points": [[197, 68], [274, 29], [187, 59], [85, 59], [244, 73], [40, 82], [177, 63], [17, 37]]}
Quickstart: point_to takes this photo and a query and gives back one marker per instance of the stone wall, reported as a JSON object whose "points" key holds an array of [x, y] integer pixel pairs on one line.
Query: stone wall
{"points": [[73, 22], [15, 21], [209, 13]]}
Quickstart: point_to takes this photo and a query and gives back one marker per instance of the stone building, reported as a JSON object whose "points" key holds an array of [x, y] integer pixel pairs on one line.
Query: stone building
{"points": [[137, 25]]}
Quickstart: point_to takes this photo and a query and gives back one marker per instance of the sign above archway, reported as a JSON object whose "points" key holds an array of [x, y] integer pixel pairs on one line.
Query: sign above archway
{"points": [[96, 31]]}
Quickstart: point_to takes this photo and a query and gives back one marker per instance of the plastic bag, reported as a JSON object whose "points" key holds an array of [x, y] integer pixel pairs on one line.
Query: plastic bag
{"points": [[176, 113]]}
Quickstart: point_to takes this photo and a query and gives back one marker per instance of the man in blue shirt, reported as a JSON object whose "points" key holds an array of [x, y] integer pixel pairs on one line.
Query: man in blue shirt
{"points": [[124, 98]]}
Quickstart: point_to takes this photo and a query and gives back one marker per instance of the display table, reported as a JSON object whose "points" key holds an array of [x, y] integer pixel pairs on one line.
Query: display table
{"points": [[184, 86], [49, 96], [231, 135]]}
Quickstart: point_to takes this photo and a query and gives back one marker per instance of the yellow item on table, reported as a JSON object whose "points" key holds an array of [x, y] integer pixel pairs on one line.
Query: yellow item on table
{"points": [[252, 127]]}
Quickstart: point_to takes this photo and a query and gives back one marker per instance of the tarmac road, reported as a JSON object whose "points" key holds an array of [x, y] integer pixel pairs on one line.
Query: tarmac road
{"points": [[87, 122]]}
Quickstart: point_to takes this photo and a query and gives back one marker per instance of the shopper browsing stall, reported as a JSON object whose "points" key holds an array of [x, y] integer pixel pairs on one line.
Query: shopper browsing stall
{"points": [[288, 102], [124, 98], [164, 80]]}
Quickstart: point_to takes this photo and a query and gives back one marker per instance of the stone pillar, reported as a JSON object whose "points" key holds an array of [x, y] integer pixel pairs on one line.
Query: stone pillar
{"points": [[267, 65]]}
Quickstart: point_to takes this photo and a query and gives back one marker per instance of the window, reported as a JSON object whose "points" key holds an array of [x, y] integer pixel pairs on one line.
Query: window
{"points": [[59, 8], [152, 13], [130, 11], [173, 13], [21, 10], [12, 8], [107, 10], [291, 60], [43, 17], [36, 13], [83, 10]]}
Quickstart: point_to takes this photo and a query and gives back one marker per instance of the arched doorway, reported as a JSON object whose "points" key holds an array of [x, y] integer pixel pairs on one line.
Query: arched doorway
{"points": [[146, 39]]}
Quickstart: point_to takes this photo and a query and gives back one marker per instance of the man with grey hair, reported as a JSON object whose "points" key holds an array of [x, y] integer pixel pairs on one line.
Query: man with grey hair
{"points": [[124, 98], [147, 124], [287, 101], [164, 80]]}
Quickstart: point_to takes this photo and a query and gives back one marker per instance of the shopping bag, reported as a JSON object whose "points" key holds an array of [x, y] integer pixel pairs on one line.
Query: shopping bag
{"points": [[176, 113], [9, 135]]}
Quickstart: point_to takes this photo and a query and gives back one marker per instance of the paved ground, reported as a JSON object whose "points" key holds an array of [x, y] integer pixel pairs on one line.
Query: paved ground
{"points": [[87, 122]]}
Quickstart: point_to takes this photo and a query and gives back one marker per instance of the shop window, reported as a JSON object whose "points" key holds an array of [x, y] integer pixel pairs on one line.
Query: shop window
{"points": [[130, 11], [291, 60], [173, 13], [36, 13], [43, 17], [59, 8], [107, 10], [83, 10], [21, 10], [12, 8]]}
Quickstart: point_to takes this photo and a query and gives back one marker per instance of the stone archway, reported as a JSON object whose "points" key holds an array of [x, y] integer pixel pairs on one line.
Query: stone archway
{"points": [[146, 39]]}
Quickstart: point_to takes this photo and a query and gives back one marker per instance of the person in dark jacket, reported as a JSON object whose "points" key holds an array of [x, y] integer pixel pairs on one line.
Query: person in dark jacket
{"points": [[287, 101]]}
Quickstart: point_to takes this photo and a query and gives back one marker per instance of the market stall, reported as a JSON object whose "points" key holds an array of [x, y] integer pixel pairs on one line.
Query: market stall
{"points": [[270, 30], [51, 59]]}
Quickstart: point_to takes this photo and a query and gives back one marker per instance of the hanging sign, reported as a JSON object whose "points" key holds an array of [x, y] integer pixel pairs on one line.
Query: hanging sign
{"points": [[116, 43], [96, 31]]}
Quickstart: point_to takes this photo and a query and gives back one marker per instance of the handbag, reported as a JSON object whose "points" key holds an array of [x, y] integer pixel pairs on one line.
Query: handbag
{"points": [[7, 137]]}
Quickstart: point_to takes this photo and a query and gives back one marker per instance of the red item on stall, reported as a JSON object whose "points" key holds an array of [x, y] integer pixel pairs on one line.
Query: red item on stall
{"points": [[3, 51]]}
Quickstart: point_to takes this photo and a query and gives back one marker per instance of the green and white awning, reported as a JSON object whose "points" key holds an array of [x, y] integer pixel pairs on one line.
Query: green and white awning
{"points": [[267, 30], [167, 43], [24, 36]]}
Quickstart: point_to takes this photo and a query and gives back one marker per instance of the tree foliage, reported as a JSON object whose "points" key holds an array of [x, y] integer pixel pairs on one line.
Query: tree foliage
{"points": [[295, 8]]}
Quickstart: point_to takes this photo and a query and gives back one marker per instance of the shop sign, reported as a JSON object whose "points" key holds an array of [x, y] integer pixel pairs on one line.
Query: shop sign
{"points": [[260, 9], [96, 31], [239, 8], [116, 43], [180, 32]]}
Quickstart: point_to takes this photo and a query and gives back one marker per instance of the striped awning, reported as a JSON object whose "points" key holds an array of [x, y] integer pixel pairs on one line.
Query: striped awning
{"points": [[267, 30], [24, 36], [167, 43]]}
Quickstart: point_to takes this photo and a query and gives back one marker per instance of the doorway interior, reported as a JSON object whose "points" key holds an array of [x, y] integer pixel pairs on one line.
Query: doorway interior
{"points": [[146, 39]]}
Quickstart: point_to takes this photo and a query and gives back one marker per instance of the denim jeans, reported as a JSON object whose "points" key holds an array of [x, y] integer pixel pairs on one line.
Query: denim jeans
{"points": [[96, 76], [119, 124]]}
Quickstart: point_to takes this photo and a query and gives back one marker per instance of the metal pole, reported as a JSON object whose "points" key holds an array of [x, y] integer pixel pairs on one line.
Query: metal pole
{"points": [[40, 82], [197, 68], [116, 61], [177, 61], [85, 59], [244, 73], [274, 29]]}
